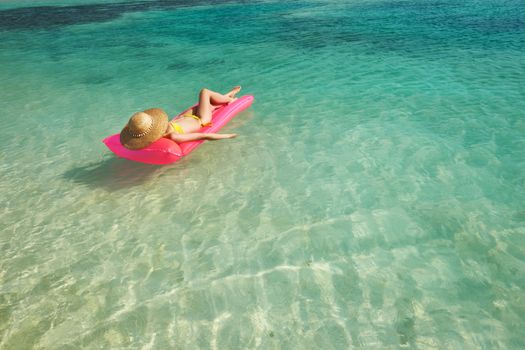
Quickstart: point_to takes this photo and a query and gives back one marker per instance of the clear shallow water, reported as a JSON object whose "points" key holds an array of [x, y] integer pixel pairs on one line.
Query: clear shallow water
{"points": [[375, 197]]}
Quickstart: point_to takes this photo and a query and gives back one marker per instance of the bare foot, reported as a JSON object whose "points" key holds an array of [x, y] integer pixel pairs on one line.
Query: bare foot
{"points": [[231, 96], [234, 91]]}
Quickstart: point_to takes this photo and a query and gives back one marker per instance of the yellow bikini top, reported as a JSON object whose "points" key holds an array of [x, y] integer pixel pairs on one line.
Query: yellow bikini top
{"points": [[177, 128]]}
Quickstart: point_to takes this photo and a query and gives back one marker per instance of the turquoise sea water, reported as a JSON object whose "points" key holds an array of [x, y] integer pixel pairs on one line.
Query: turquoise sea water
{"points": [[375, 198]]}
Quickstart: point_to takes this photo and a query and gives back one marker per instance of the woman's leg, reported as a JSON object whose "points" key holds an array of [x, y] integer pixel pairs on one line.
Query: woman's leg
{"points": [[208, 101], [218, 99]]}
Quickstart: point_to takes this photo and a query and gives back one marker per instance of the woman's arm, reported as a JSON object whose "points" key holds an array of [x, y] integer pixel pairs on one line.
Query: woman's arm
{"points": [[179, 138]]}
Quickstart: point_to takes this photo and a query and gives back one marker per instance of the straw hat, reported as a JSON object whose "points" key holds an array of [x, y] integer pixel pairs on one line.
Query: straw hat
{"points": [[144, 128]]}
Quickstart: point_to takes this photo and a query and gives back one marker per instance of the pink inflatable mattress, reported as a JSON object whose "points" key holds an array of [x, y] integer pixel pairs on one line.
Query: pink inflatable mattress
{"points": [[165, 151]]}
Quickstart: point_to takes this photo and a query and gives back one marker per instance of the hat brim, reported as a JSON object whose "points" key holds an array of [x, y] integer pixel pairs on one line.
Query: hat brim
{"points": [[160, 124]]}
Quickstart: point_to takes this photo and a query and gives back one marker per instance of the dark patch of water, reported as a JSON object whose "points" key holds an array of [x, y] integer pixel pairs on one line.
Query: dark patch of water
{"points": [[403, 26], [45, 17], [182, 64]]}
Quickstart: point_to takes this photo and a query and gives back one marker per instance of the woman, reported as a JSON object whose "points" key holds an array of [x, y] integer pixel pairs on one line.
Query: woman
{"points": [[144, 128]]}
